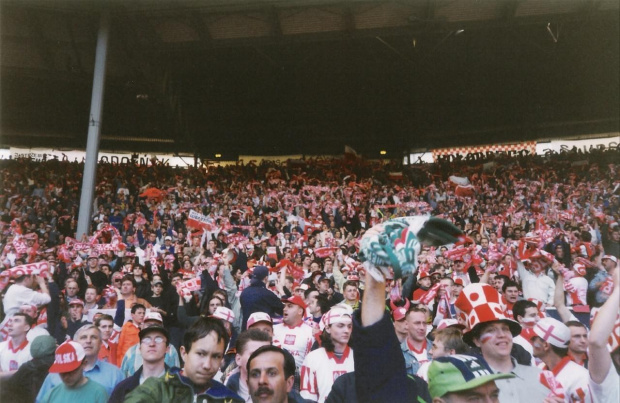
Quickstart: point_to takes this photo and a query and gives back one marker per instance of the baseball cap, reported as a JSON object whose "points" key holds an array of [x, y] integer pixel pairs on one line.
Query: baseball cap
{"points": [[154, 328], [68, 357], [153, 316], [260, 272], [168, 238], [457, 373], [459, 281], [76, 301], [295, 300], [259, 317], [157, 282], [553, 332], [610, 257]]}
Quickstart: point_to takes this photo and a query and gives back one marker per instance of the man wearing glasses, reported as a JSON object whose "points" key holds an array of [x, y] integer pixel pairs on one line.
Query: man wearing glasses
{"points": [[154, 341]]}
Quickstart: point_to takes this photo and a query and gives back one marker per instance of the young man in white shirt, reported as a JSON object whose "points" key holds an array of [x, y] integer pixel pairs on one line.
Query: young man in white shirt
{"points": [[16, 350]]}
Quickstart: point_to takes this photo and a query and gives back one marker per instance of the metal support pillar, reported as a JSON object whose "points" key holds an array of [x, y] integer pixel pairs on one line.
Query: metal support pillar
{"points": [[94, 127]]}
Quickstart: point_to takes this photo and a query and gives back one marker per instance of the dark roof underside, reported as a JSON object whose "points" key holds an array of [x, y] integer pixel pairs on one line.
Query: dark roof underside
{"points": [[280, 77]]}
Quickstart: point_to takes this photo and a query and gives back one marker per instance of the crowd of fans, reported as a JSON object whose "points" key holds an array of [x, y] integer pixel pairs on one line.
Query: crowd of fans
{"points": [[244, 283]]}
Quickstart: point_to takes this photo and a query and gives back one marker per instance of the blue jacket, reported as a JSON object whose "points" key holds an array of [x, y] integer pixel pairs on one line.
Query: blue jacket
{"points": [[257, 298]]}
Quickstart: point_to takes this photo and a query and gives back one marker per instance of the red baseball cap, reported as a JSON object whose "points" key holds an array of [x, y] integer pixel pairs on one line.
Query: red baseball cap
{"points": [[399, 313], [296, 300], [257, 317], [69, 356]]}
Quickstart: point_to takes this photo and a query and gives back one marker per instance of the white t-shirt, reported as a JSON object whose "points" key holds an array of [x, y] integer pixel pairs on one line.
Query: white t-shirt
{"points": [[320, 370], [609, 390], [12, 357], [574, 380], [36, 332], [296, 340]]}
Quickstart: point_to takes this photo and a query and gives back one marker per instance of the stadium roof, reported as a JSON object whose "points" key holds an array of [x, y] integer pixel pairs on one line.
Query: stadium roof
{"points": [[279, 77]]}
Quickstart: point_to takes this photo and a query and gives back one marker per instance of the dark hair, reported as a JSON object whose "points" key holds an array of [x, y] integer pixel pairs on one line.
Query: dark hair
{"points": [[520, 306], [575, 323], [323, 303], [29, 320], [509, 283], [250, 335], [308, 291], [561, 351], [201, 328], [129, 278], [349, 283], [102, 318], [136, 307], [289, 361], [503, 277]]}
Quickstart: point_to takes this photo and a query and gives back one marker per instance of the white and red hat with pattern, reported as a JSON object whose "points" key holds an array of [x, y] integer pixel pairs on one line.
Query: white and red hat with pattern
{"points": [[480, 303]]}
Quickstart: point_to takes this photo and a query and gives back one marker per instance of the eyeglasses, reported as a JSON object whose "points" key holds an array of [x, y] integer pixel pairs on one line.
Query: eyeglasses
{"points": [[149, 340], [117, 280]]}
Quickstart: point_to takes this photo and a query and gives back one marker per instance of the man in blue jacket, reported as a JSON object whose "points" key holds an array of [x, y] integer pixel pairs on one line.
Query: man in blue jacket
{"points": [[257, 298]]}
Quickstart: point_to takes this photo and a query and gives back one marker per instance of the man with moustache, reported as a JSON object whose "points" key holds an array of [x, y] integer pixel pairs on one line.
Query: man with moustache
{"points": [[271, 375]]}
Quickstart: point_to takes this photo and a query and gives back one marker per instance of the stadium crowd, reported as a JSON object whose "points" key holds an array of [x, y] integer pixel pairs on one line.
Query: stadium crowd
{"points": [[244, 282]]}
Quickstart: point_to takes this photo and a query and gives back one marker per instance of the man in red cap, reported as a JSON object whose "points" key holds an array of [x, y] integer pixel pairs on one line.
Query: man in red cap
{"points": [[293, 334], [75, 387]]}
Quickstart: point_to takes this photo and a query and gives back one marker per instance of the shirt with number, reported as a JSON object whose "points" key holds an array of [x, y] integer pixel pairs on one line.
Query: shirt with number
{"points": [[320, 370]]}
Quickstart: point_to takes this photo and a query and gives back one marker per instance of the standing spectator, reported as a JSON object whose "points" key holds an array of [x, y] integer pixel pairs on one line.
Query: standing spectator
{"points": [[24, 385], [535, 283], [604, 379], [16, 350], [550, 342], [107, 352], [70, 363], [130, 331], [94, 276], [489, 330], [293, 334], [103, 373], [257, 298], [143, 286], [247, 342], [22, 292], [578, 345], [75, 321], [323, 366], [271, 372], [154, 341], [128, 293], [202, 352], [416, 347], [600, 287]]}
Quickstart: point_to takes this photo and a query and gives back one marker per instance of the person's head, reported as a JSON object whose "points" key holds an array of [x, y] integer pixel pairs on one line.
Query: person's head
{"points": [[445, 287], [609, 262], [214, 303], [157, 286], [526, 313], [128, 285], [261, 321], [324, 284], [510, 289], [494, 339], [90, 295], [154, 341], [551, 338], [457, 287], [462, 378], [89, 337], [105, 324], [271, 374], [71, 288], [578, 337], [137, 314], [498, 282], [448, 341], [425, 280], [203, 349], [69, 363], [137, 271], [350, 291], [416, 323], [116, 279], [93, 261], [19, 324], [76, 309], [338, 328], [248, 342], [294, 308], [30, 310]]}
